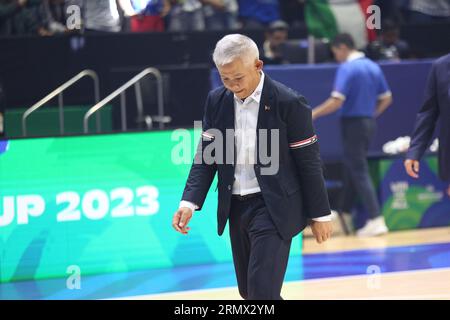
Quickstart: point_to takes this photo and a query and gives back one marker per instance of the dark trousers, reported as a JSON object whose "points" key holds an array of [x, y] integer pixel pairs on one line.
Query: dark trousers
{"points": [[260, 255], [357, 134]]}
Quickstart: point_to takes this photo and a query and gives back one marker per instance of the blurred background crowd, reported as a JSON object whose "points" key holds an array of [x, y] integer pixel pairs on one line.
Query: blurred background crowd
{"points": [[322, 18], [44, 42]]}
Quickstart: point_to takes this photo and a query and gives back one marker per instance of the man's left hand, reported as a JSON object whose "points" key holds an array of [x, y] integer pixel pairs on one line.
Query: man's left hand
{"points": [[322, 230]]}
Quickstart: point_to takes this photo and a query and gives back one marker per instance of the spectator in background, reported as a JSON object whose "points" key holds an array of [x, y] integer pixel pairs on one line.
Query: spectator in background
{"points": [[391, 9], [146, 15], [388, 46], [293, 12], [258, 14], [326, 19], [20, 17], [220, 14], [8, 9], [426, 11], [362, 94], [98, 15], [186, 15], [276, 34], [53, 16]]}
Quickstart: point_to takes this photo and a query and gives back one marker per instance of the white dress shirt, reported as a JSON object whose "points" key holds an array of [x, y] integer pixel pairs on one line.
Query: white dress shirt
{"points": [[245, 123]]}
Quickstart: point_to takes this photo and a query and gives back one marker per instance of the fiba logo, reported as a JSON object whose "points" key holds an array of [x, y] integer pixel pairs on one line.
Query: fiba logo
{"points": [[74, 17], [374, 20], [399, 190]]}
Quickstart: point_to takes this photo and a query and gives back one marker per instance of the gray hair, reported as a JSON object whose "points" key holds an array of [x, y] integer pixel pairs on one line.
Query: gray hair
{"points": [[234, 46]]}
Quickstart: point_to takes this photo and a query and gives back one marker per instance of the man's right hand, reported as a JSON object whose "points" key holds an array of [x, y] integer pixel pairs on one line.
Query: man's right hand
{"points": [[412, 168], [181, 219], [321, 230]]}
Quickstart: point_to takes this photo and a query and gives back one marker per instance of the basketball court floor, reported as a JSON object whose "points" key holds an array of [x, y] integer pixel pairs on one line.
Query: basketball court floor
{"points": [[400, 265]]}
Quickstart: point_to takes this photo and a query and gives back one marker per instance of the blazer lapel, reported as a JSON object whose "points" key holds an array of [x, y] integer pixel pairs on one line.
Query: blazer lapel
{"points": [[265, 114], [228, 121], [228, 111], [266, 107]]}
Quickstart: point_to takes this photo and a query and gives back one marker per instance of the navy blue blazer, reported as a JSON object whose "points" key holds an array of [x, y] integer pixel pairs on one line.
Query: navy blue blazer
{"points": [[436, 106], [297, 191]]}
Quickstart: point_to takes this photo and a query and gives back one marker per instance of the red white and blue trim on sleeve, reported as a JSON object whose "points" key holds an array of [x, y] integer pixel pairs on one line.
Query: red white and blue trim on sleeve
{"points": [[303, 143], [207, 136]]}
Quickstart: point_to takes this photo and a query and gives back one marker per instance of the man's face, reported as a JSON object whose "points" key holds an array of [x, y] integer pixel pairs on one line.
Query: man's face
{"points": [[340, 52], [390, 37], [241, 77], [276, 38]]}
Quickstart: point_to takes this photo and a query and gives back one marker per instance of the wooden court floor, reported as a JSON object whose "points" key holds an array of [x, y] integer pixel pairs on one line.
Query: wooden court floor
{"points": [[429, 283]]}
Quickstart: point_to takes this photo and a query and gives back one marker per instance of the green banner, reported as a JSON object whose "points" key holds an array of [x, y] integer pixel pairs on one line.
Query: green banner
{"points": [[409, 203], [102, 204]]}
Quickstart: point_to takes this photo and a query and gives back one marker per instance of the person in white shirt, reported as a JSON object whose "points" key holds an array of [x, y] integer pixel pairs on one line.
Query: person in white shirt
{"points": [[98, 15], [186, 15]]}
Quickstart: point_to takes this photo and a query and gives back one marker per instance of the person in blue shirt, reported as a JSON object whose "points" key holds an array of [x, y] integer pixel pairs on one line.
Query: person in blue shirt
{"points": [[361, 94], [258, 14]]}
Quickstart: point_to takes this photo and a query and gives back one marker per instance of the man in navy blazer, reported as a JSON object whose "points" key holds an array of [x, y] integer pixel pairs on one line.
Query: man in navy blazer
{"points": [[259, 138], [436, 106]]}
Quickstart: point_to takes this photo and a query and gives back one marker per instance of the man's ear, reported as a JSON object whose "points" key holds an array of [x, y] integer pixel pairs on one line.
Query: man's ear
{"points": [[259, 65]]}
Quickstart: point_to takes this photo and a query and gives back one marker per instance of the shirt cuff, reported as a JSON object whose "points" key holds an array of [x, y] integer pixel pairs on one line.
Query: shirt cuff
{"points": [[384, 95], [187, 204], [326, 218], [338, 95]]}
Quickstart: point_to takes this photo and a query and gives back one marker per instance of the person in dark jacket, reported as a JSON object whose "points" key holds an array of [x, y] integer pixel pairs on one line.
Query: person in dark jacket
{"points": [[267, 200], [436, 107]]}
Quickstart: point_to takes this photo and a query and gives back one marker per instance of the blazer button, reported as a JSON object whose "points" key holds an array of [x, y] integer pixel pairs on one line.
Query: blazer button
{"points": [[229, 187]]}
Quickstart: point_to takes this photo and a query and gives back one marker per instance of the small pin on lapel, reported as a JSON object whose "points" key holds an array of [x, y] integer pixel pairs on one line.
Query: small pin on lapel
{"points": [[267, 108]]}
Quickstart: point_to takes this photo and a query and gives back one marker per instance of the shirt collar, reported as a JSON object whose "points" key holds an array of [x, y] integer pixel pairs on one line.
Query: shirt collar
{"points": [[355, 55], [256, 95]]}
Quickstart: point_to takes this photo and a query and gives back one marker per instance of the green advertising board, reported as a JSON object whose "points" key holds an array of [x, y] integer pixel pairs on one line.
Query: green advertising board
{"points": [[102, 203], [409, 203]]}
